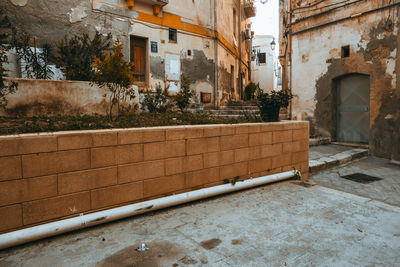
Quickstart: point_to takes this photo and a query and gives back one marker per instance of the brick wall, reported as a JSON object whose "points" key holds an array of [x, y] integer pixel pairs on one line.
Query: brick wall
{"points": [[49, 176]]}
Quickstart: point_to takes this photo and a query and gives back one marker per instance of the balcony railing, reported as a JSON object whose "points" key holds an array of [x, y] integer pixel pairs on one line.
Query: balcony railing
{"points": [[249, 8]]}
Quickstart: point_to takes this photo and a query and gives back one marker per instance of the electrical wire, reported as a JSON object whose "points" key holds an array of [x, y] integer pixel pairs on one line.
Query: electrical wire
{"points": [[334, 4], [311, 5]]}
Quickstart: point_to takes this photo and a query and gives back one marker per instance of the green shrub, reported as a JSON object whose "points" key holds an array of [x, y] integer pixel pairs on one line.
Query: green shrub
{"points": [[270, 104], [75, 56], [117, 76], [184, 96], [159, 101]]}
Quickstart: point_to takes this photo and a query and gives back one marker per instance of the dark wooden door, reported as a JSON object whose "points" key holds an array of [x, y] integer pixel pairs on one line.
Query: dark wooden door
{"points": [[138, 58]]}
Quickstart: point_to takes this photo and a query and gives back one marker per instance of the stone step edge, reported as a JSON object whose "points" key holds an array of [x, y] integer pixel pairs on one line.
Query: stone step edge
{"points": [[337, 159]]}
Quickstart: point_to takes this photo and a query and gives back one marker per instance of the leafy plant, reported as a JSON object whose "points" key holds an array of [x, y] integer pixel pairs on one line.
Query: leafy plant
{"points": [[6, 88], [270, 104], [76, 55], [117, 76], [158, 101], [184, 96], [37, 60]]}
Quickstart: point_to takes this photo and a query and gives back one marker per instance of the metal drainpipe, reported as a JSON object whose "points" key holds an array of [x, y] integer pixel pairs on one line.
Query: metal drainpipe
{"points": [[87, 220], [216, 104], [240, 50]]}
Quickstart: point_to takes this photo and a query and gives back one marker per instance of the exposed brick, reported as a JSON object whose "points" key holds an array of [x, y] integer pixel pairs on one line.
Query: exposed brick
{"points": [[175, 148], [74, 141], [103, 156], [281, 161], [268, 172], [212, 131], [202, 145], [242, 129], [175, 133], [300, 134], [294, 146], [219, 158], [11, 217], [256, 139], [282, 136], [129, 153], [302, 167], [266, 127], [160, 150], [153, 135], [228, 129], [194, 163], [242, 154], [202, 177], [233, 170], [260, 165], [22, 190], [140, 171], [116, 195], [254, 128], [131, 136], [157, 186], [255, 152], [55, 162], [72, 182], [234, 141], [105, 138], [10, 168], [298, 157], [281, 126], [174, 165], [270, 150], [27, 145], [51, 208], [194, 131]]}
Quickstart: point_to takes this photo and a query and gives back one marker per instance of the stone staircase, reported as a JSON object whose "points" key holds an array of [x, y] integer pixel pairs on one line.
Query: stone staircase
{"points": [[241, 109]]}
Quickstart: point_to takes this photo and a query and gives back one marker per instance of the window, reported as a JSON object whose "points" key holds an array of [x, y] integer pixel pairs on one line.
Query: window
{"points": [[262, 58], [138, 57], [346, 51], [234, 22], [173, 35]]}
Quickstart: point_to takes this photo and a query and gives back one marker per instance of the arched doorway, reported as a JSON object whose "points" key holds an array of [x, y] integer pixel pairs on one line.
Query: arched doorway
{"points": [[353, 92]]}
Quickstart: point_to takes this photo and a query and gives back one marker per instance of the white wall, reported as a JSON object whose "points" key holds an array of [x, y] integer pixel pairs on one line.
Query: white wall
{"points": [[264, 73]]}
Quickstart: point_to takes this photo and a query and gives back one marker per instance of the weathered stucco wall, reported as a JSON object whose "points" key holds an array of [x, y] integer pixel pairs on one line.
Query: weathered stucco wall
{"points": [[317, 62], [51, 97], [194, 21], [51, 176]]}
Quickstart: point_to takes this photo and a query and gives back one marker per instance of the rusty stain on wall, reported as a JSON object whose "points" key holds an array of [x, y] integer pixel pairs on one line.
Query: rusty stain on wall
{"points": [[373, 44]]}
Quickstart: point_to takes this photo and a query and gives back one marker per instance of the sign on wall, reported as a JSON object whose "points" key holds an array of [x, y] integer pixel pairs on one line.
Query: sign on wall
{"points": [[154, 47]]}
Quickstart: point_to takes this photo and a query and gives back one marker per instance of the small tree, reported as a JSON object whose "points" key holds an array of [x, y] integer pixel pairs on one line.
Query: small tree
{"points": [[37, 60], [5, 87], [158, 101], [117, 76], [76, 55], [184, 96]]}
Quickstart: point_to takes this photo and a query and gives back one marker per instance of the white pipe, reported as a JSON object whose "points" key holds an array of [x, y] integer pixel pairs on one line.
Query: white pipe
{"points": [[50, 229]]}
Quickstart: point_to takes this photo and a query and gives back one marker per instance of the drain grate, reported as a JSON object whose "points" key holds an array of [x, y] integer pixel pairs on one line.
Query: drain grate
{"points": [[361, 178]]}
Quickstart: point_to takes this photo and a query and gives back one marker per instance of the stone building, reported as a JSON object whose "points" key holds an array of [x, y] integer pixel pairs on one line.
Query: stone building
{"points": [[341, 62], [205, 40]]}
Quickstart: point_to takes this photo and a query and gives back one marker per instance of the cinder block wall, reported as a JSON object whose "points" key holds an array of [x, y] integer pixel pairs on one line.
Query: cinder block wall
{"points": [[50, 176]]}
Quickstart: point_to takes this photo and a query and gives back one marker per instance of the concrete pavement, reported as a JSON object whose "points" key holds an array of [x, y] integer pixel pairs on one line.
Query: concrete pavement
{"points": [[283, 224]]}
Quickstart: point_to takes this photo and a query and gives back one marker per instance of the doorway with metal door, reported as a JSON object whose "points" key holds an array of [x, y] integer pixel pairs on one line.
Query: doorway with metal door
{"points": [[353, 108]]}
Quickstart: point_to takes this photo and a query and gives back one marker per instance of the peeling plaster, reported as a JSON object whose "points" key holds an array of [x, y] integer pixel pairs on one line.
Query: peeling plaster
{"points": [[77, 14], [19, 2]]}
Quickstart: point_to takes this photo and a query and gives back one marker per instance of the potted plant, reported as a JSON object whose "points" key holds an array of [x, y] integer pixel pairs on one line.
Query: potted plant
{"points": [[271, 103]]}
